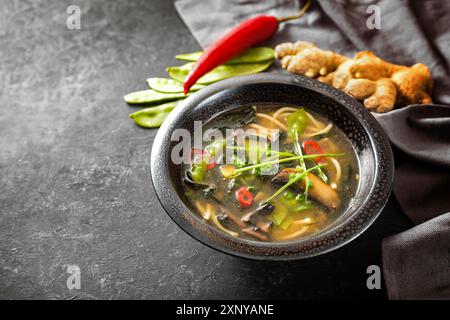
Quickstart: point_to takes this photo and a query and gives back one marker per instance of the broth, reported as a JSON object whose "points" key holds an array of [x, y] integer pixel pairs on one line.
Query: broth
{"points": [[295, 183]]}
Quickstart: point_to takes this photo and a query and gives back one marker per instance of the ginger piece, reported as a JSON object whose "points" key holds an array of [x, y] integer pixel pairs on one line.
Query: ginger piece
{"points": [[319, 62], [366, 77], [305, 58], [413, 84], [384, 96], [328, 79], [342, 74], [291, 49], [367, 65], [360, 89], [285, 61]]}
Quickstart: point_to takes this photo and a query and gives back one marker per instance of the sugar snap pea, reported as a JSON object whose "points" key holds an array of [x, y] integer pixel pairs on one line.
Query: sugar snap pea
{"points": [[151, 97], [219, 73], [166, 85], [252, 55], [153, 117]]}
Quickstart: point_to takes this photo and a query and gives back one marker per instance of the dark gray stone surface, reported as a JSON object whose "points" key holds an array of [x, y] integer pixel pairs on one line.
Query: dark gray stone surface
{"points": [[74, 171]]}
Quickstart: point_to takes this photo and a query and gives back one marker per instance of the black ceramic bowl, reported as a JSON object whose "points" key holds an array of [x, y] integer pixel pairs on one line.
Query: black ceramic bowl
{"points": [[372, 147]]}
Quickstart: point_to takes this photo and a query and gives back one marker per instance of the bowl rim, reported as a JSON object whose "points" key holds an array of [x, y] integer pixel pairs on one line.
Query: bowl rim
{"points": [[188, 221]]}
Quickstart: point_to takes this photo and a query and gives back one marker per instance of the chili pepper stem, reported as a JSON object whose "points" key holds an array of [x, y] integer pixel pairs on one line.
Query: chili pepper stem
{"points": [[298, 15]]}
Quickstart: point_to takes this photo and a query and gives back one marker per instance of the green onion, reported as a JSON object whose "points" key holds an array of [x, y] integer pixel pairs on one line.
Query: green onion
{"points": [[296, 178], [269, 163], [321, 174], [281, 153], [298, 149], [198, 171]]}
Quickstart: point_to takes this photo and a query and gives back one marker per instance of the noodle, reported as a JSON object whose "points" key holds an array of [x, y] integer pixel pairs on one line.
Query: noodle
{"points": [[204, 212], [338, 169], [316, 123], [258, 127], [304, 221], [272, 119], [283, 116], [295, 234], [322, 131], [261, 131], [282, 110], [277, 116], [221, 227]]}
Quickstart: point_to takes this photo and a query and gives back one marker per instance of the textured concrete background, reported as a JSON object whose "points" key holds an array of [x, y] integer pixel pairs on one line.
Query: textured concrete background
{"points": [[74, 170]]}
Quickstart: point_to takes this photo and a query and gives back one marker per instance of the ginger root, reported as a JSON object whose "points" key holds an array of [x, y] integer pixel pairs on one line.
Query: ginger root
{"points": [[381, 100], [360, 89], [379, 84], [305, 58]]}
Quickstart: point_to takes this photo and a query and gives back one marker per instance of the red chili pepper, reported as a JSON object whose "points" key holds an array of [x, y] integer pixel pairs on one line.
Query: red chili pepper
{"points": [[244, 197], [240, 38], [312, 147], [199, 153]]}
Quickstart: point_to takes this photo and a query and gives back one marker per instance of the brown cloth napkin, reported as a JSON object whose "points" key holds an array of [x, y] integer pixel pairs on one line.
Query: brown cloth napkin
{"points": [[415, 262]]}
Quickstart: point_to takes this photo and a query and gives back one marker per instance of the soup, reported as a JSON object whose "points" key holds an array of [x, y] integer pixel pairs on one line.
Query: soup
{"points": [[271, 173]]}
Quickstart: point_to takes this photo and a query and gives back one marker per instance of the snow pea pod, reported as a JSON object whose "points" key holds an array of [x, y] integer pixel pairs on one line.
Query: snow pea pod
{"points": [[252, 55], [219, 73], [151, 97], [297, 122], [166, 85], [153, 117]]}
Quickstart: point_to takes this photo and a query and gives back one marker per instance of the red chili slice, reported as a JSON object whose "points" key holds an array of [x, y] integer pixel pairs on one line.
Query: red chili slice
{"points": [[198, 154], [312, 147], [211, 164], [244, 197]]}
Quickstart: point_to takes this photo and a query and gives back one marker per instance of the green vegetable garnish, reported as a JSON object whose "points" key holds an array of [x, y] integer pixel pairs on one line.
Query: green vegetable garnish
{"points": [[321, 174], [296, 177], [278, 215], [153, 117], [198, 171], [294, 203], [288, 195], [252, 55], [215, 147], [166, 85], [286, 223], [238, 162], [289, 203], [151, 97], [272, 162], [221, 72], [307, 185], [297, 122], [265, 150]]}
